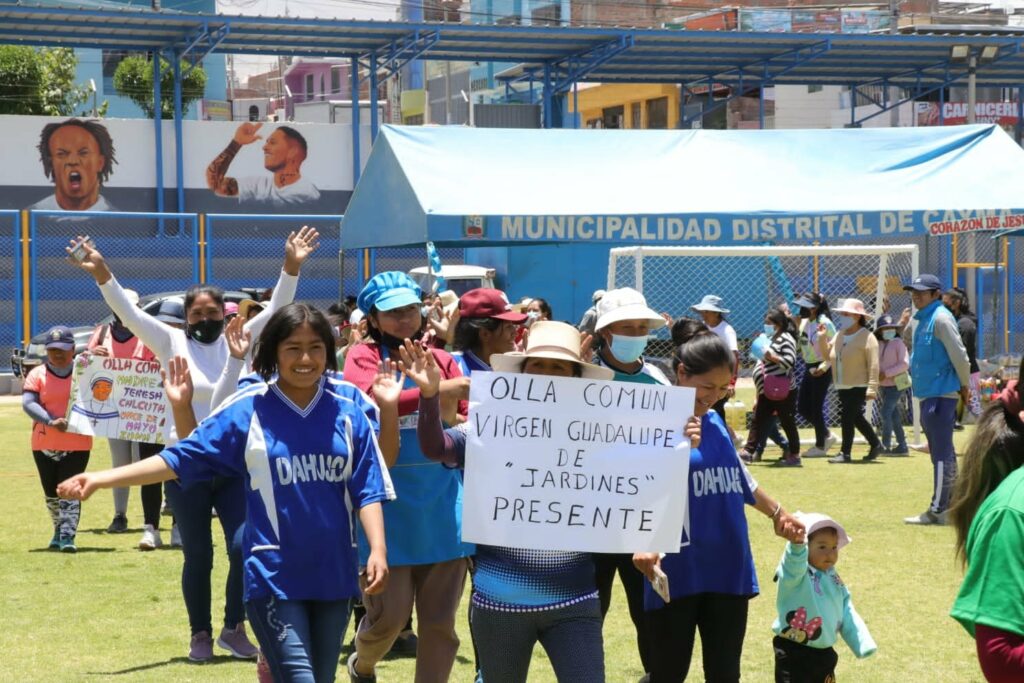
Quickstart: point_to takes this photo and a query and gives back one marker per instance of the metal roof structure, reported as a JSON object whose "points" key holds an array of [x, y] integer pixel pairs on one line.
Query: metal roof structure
{"points": [[559, 55]]}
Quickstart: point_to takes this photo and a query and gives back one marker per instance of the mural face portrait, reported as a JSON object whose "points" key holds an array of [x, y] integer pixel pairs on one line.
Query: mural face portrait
{"points": [[101, 389], [276, 151], [77, 163]]}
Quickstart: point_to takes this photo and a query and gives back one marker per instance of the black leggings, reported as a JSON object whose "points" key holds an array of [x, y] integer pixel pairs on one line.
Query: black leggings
{"points": [[152, 494], [605, 567], [811, 403], [722, 620], [763, 411], [53, 472], [851, 411]]}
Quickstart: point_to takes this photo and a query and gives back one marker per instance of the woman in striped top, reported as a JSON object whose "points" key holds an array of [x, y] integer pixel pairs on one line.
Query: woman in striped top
{"points": [[775, 380]]}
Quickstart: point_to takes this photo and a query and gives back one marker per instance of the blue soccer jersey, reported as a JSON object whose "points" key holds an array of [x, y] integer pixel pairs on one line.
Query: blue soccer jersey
{"points": [[307, 472]]}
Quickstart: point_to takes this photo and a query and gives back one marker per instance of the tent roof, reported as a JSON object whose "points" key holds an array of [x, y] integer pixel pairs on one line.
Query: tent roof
{"points": [[441, 183]]}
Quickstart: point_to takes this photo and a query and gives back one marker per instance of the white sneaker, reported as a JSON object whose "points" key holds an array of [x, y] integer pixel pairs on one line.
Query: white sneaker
{"points": [[814, 452], [830, 441], [175, 537], [150, 538]]}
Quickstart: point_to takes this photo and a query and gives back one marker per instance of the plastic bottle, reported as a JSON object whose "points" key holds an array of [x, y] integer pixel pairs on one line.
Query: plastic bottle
{"points": [[736, 415]]}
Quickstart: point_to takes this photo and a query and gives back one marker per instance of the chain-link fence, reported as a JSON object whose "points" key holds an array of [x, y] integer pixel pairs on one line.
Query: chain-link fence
{"points": [[10, 279], [980, 271], [148, 252], [246, 251]]}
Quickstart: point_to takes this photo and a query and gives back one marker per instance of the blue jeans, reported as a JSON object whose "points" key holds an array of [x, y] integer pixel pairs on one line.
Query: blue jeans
{"points": [[191, 507], [937, 417], [891, 417], [301, 639]]}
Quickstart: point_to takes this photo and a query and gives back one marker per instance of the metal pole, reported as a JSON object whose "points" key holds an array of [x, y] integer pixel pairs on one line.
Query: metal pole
{"points": [[374, 123], [448, 93], [760, 107], [942, 106], [179, 165], [972, 87], [575, 105], [546, 96], [158, 139], [354, 99]]}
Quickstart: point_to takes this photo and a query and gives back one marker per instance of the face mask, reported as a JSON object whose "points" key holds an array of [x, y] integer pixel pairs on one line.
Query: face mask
{"points": [[888, 334], [205, 331], [119, 332], [845, 322], [531, 318], [769, 330], [628, 349], [805, 312]]}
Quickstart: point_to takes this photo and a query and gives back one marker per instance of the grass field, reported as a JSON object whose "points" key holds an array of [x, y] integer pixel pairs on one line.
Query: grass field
{"points": [[112, 613]]}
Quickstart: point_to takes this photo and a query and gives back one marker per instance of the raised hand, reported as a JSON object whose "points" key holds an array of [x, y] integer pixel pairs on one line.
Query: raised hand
{"points": [[692, 431], [387, 383], [238, 338], [177, 382], [248, 133], [419, 365], [92, 263], [298, 247]]}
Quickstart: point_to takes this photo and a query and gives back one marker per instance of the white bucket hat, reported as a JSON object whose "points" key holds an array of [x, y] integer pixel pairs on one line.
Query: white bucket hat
{"points": [[815, 521], [626, 304], [550, 339], [710, 302]]}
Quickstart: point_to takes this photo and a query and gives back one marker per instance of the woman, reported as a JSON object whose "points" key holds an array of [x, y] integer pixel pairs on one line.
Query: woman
{"points": [[425, 551], [853, 354], [522, 596], [776, 389], [203, 345], [307, 454], [539, 309], [711, 579], [893, 380], [712, 312], [987, 512], [486, 326], [58, 453], [813, 313]]}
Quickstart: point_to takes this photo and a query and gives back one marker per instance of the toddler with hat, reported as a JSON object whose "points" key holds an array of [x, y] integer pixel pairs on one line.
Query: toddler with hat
{"points": [[814, 606]]}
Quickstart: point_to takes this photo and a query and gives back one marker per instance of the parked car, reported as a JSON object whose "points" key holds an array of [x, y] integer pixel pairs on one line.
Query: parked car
{"points": [[34, 353], [460, 278]]}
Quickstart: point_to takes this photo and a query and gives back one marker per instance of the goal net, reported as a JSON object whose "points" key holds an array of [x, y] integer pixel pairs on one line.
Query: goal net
{"points": [[753, 279]]}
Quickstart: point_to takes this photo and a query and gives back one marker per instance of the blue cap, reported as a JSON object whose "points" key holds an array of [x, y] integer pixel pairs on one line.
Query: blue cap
{"points": [[924, 282], [388, 291], [60, 337], [885, 321]]}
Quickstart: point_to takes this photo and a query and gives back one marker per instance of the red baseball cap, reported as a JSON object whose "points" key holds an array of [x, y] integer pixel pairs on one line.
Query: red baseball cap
{"points": [[488, 303]]}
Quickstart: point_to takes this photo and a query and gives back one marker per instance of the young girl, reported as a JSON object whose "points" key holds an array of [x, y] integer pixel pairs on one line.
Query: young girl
{"points": [[711, 578], [893, 363], [987, 512], [58, 453], [854, 357], [521, 596], [814, 605], [776, 388], [308, 456]]}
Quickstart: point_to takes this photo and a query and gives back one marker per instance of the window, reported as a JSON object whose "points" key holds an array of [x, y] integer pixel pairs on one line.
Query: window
{"points": [[546, 15], [335, 80], [309, 86], [612, 117], [636, 115], [814, 88], [657, 113]]}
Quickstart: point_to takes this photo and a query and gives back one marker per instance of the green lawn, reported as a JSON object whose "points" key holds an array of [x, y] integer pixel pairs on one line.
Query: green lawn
{"points": [[112, 613]]}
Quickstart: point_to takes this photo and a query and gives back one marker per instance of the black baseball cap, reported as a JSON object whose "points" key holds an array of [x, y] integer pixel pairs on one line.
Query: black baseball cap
{"points": [[60, 337]]}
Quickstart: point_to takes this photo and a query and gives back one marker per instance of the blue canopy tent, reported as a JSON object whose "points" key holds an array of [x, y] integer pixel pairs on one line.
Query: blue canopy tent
{"points": [[488, 190]]}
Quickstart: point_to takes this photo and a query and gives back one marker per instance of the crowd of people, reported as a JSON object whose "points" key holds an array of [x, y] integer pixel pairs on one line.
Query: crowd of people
{"points": [[330, 446]]}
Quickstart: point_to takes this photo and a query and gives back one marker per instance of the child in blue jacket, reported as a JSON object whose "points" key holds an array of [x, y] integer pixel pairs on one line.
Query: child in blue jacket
{"points": [[814, 606]]}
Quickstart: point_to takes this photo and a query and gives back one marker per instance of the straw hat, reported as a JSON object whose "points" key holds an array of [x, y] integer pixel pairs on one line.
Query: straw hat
{"points": [[246, 305], [853, 307], [550, 339]]}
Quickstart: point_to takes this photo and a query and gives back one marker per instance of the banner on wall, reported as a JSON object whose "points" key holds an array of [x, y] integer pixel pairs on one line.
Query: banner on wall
{"points": [[118, 398], [558, 463], [955, 113], [229, 167]]}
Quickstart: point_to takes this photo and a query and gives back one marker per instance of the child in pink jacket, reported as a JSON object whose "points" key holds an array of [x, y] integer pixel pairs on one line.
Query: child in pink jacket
{"points": [[893, 363]]}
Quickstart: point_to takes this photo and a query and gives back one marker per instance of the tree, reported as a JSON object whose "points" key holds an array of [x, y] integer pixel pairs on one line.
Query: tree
{"points": [[21, 77], [134, 79], [59, 94]]}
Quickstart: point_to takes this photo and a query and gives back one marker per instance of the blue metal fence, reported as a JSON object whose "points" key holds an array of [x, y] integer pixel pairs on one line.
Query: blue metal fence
{"points": [[147, 252], [11, 307]]}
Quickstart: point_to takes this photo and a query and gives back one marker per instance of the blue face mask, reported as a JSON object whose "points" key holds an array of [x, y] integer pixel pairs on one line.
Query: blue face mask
{"points": [[845, 322], [769, 330], [628, 349], [888, 334]]}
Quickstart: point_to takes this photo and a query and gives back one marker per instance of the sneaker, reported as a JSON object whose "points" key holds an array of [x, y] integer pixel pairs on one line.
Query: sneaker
{"points": [[201, 647], [237, 643], [898, 452], [119, 525], [55, 541], [175, 537], [354, 677], [872, 454], [67, 544], [927, 518], [814, 452], [405, 644], [790, 461], [840, 459], [744, 456], [150, 538], [830, 441]]}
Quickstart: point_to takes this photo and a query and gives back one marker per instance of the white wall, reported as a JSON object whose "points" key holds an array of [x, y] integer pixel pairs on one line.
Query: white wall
{"points": [[795, 107]]}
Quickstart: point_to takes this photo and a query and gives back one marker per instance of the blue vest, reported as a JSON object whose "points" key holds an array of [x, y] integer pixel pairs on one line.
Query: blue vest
{"points": [[931, 371]]}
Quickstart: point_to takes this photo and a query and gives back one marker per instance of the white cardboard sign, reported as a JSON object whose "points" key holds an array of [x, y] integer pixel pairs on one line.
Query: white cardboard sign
{"points": [[118, 398], [573, 464]]}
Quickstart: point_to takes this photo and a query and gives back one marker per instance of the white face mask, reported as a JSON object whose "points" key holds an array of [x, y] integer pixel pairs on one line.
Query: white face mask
{"points": [[888, 335], [846, 322]]}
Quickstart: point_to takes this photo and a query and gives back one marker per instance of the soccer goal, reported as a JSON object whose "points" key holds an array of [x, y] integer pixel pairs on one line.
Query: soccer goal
{"points": [[753, 279]]}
